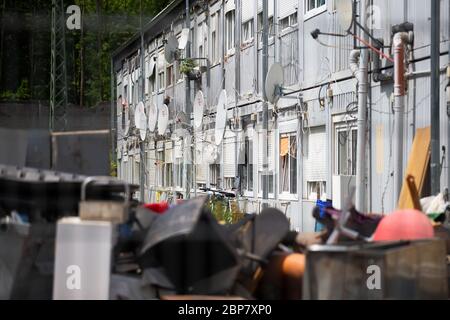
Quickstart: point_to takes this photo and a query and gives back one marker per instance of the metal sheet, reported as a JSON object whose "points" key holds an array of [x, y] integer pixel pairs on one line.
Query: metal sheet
{"points": [[408, 270], [84, 153]]}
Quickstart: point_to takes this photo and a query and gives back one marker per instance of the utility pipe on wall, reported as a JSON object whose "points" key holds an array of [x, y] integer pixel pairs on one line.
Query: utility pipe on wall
{"points": [[435, 101], [363, 87], [400, 39]]}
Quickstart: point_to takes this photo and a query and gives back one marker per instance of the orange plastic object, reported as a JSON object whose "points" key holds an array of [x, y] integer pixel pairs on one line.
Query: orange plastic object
{"points": [[404, 225]]}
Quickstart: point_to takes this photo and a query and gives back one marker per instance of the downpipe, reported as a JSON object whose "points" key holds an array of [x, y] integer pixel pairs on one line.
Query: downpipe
{"points": [[359, 61], [399, 43]]}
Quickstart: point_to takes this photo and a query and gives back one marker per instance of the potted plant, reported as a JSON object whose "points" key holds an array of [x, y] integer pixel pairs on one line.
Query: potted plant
{"points": [[190, 68]]}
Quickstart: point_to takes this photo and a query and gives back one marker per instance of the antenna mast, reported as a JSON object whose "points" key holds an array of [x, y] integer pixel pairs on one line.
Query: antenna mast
{"points": [[58, 72]]}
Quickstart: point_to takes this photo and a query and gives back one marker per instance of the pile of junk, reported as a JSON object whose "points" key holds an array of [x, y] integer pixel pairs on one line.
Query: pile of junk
{"points": [[68, 236]]}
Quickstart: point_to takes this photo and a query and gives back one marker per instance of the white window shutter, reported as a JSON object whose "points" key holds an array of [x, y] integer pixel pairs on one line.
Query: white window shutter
{"points": [[287, 7], [248, 7], [270, 147], [315, 168], [229, 157]]}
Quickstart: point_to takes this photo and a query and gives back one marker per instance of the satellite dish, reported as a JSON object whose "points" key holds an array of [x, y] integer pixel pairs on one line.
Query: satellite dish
{"points": [[163, 119], [274, 83], [184, 38], [211, 153], [152, 117], [170, 49], [345, 15], [199, 107], [140, 119], [221, 118]]}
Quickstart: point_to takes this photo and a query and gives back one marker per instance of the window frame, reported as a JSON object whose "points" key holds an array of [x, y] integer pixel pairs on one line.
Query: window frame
{"points": [[259, 28], [214, 174], [170, 76], [251, 38], [292, 180], [351, 129], [318, 9], [160, 170], [290, 26], [230, 39], [323, 187]]}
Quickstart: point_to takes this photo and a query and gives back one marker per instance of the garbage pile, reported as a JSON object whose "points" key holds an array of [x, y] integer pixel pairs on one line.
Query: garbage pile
{"points": [[59, 227]]}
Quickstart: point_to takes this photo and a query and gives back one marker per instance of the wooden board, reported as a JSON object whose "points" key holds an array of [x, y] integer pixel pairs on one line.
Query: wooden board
{"points": [[419, 159]]}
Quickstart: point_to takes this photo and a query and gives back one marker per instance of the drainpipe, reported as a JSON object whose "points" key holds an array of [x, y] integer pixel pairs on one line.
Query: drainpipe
{"points": [[400, 39], [448, 108], [363, 87], [435, 91], [188, 167]]}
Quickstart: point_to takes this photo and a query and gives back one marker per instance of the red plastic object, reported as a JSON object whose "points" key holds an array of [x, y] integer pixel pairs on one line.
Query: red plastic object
{"points": [[404, 225], [157, 207]]}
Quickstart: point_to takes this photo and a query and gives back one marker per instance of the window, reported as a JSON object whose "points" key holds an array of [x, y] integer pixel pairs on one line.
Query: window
{"points": [[288, 22], [179, 174], [161, 80], [214, 47], [169, 75], [288, 163], [346, 140], [229, 183], [246, 167], [260, 27], [168, 175], [271, 190], [151, 83], [160, 168], [316, 190], [137, 170], [214, 38], [248, 31], [314, 7], [214, 175], [229, 30]]}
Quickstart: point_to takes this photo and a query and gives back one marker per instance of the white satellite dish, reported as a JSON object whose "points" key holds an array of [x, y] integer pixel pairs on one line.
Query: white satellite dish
{"points": [[163, 119], [221, 118], [345, 15], [199, 107], [152, 117], [170, 49], [184, 38], [274, 83], [140, 119], [211, 154]]}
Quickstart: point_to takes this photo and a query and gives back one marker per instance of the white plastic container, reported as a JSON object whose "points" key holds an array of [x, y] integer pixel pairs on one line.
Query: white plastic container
{"points": [[82, 259]]}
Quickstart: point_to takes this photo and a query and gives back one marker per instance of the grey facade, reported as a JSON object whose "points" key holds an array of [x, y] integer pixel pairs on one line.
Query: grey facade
{"points": [[312, 139]]}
